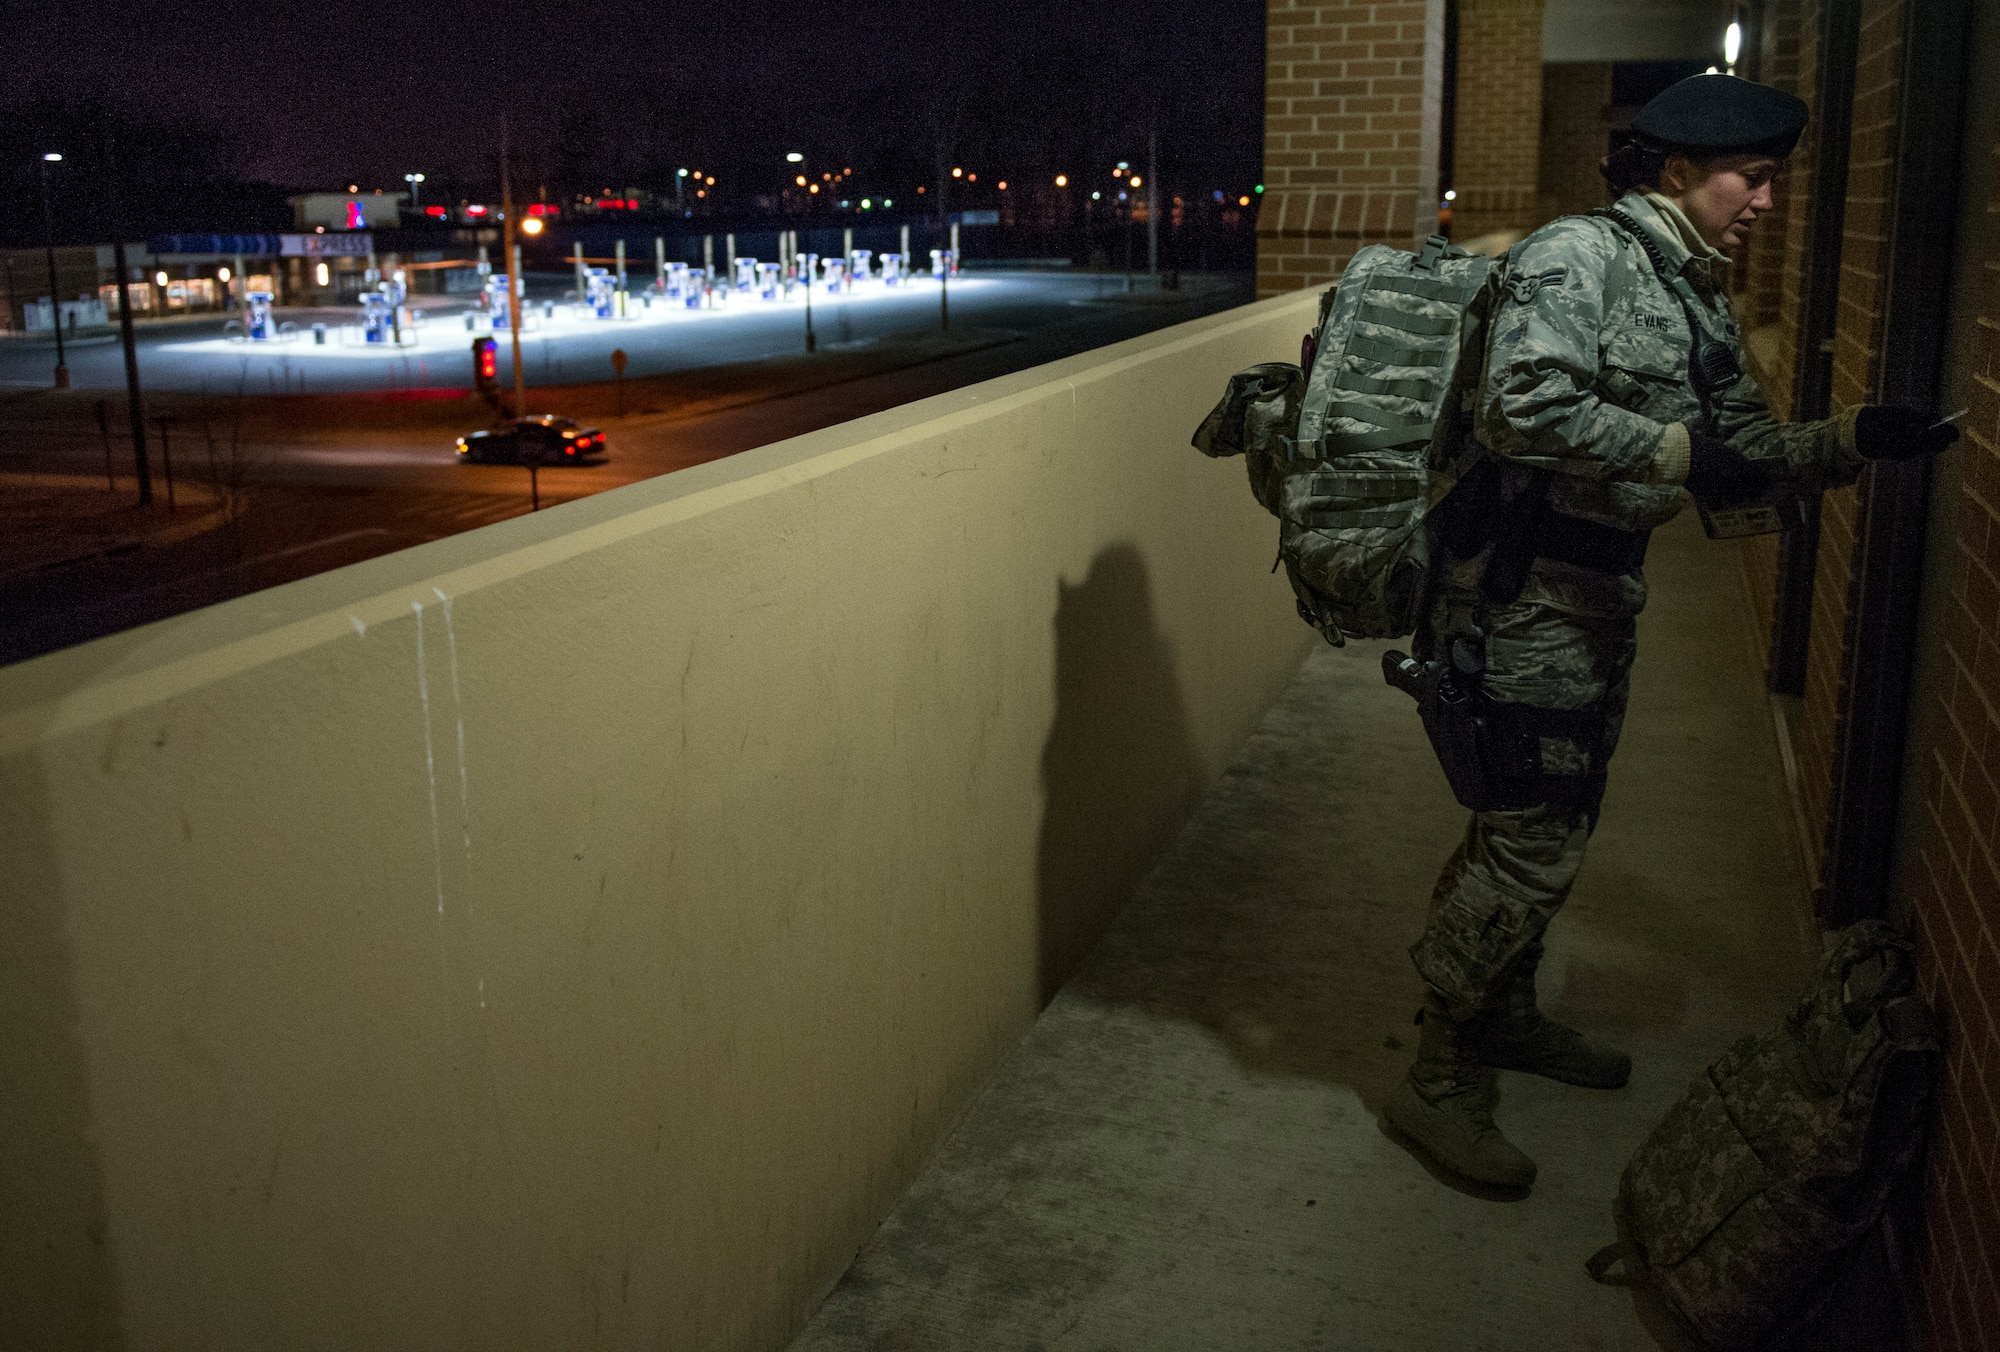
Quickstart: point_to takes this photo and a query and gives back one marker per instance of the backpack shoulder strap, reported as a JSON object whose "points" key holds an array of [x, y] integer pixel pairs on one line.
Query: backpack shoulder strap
{"points": [[1677, 285], [1599, 1264], [1673, 281], [1618, 279]]}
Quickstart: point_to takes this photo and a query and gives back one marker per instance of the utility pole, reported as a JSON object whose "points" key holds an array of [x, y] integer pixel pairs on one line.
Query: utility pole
{"points": [[135, 405], [49, 244], [1153, 197], [513, 272], [944, 217]]}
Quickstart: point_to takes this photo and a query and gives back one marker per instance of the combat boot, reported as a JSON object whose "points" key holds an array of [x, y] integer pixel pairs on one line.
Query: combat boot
{"points": [[1445, 1105], [1518, 1036]]}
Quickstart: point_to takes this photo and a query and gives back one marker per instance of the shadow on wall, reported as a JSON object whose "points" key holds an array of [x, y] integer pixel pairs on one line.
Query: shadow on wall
{"points": [[58, 1287], [1119, 773]]}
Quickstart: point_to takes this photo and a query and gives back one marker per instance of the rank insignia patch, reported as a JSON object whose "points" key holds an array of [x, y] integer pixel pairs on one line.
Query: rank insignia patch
{"points": [[1524, 287]]}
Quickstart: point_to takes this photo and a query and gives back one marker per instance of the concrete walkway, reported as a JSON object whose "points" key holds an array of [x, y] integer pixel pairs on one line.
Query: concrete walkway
{"points": [[1186, 1152]]}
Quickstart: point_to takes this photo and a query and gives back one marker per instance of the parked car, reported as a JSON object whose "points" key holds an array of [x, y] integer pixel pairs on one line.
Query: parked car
{"points": [[540, 438]]}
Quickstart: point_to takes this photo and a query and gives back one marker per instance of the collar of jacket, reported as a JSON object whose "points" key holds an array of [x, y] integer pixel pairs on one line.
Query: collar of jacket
{"points": [[1685, 249]]}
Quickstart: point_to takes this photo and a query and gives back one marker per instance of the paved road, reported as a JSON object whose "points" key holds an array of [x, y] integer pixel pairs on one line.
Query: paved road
{"points": [[379, 474]]}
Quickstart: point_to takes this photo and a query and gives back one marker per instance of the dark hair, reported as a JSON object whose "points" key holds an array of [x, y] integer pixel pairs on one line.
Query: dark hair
{"points": [[1636, 161]]}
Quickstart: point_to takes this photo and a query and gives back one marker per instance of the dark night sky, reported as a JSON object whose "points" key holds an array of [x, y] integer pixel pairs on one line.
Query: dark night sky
{"points": [[322, 93]]}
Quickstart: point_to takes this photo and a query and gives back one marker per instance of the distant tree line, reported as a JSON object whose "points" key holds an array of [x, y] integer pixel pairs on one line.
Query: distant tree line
{"points": [[898, 92], [993, 89]]}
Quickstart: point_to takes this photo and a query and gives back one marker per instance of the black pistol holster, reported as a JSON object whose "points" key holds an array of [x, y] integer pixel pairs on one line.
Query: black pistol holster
{"points": [[1491, 751]]}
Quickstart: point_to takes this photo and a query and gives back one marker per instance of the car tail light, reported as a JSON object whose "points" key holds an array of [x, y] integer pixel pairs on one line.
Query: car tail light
{"points": [[569, 450]]}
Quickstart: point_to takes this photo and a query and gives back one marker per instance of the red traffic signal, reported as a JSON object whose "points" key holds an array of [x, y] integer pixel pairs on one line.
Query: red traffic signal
{"points": [[485, 363]]}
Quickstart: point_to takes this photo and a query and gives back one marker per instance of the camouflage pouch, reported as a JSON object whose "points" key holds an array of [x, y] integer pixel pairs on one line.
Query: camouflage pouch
{"points": [[1742, 1204], [1254, 416]]}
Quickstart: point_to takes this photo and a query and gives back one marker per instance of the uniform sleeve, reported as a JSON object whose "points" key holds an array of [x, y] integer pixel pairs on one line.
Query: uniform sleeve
{"points": [[1538, 402], [1815, 455]]}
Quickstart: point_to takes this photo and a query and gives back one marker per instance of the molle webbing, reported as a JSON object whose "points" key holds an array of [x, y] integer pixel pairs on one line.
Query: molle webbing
{"points": [[1401, 387], [1391, 353], [1424, 326], [1430, 288]]}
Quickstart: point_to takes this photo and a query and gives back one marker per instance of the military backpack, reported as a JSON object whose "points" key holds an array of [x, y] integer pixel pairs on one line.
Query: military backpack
{"points": [[1352, 448], [1745, 1205]]}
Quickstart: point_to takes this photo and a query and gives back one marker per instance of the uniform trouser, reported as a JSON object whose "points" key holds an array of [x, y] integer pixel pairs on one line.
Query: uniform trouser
{"points": [[1513, 870]]}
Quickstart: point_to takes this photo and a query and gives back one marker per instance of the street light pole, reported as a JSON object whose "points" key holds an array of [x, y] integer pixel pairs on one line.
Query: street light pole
{"points": [[513, 273], [49, 246], [413, 180], [1153, 198]]}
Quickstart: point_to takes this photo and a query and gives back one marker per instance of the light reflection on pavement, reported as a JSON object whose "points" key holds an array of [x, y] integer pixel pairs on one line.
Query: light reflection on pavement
{"points": [[193, 355]]}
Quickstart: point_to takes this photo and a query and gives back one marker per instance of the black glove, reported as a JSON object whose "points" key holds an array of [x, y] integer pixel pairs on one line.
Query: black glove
{"points": [[1891, 432], [1720, 476]]}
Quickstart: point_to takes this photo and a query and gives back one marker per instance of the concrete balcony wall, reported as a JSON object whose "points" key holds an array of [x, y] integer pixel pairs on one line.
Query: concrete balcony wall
{"points": [[577, 932]]}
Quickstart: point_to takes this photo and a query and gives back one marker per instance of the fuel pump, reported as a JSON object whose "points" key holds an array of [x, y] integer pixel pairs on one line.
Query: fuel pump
{"points": [[257, 325], [377, 317], [677, 281], [746, 274], [694, 289], [600, 293], [767, 281], [833, 271], [892, 269], [494, 298], [858, 270]]}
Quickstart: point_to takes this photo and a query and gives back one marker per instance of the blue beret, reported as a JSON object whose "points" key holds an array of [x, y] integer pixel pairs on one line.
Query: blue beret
{"points": [[1719, 113]]}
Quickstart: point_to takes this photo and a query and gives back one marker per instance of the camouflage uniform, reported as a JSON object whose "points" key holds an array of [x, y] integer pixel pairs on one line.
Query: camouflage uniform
{"points": [[1587, 392]]}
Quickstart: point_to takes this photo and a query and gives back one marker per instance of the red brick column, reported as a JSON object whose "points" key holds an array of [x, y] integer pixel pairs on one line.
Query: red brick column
{"points": [[1350, 143], [1496, 141]]}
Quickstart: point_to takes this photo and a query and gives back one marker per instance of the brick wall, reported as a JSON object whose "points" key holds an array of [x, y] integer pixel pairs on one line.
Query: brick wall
{"points": [[1951, 891], [1954, 904], [1574, 138], [1857, 342], [1798, 184], [1769, 273], [1496, 138], [1343, 136], [1760, 271]]}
